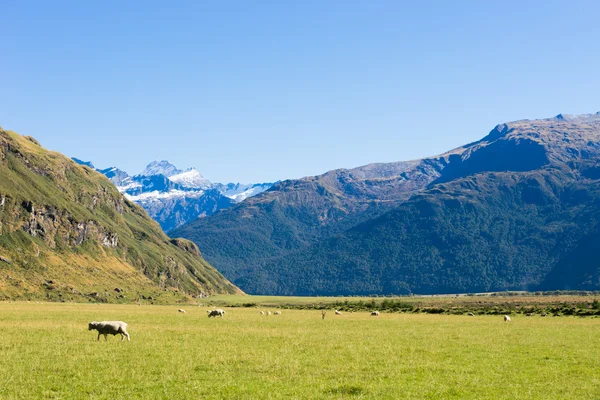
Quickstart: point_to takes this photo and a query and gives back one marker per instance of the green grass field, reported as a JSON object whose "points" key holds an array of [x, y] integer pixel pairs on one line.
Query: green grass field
{"points": [[47, 352]]}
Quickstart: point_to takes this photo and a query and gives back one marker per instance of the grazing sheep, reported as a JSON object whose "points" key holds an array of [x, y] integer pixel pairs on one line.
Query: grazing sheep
{"points": [[110, 328], [506, 318], [215, 313], [181, 310], [323, 313], [277, 313], [471, 314], [338, 312], [268, 312], [262, 313], [375, 313]]}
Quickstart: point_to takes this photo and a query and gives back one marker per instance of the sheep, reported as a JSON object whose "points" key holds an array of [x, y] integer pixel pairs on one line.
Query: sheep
{"points": [[262, 313], [215, 313], [471, 314], [338, 312], [529, 314], [110, 328], [277, 313], [268, 312], [181, 311], [506, 318], [375, 313]]}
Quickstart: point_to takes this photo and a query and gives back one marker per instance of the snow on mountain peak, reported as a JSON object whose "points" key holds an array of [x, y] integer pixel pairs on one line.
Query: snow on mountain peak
{"points": [[191, 178], [160, 168], [239, 192]]}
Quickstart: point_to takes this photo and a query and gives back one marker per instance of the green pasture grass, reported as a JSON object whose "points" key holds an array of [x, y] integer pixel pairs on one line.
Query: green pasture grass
{"points": [[46, 352]]}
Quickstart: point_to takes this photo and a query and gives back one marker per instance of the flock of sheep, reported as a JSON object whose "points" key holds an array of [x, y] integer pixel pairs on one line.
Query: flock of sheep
{"points": [[120, 328]]}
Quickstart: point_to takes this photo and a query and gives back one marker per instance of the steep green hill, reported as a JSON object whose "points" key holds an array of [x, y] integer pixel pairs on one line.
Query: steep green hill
{"points": [[517, 210], [66, 232]]}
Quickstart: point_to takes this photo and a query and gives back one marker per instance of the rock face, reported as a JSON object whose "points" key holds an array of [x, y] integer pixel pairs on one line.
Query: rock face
{"points": [[186, 245], [68, 221], [519, 209], [173, 197], [51, 224]]}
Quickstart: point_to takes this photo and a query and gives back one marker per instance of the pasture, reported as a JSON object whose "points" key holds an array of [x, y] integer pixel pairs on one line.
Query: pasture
{"points": [[47, 352]]}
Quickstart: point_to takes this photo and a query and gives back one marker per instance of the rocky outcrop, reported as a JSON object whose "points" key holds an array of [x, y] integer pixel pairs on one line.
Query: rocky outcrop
{"points": [[186, 245], [52, 224]]}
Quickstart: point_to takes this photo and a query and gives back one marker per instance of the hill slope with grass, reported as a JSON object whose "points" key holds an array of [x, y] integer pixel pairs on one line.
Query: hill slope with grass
{"points": [[519, 209], [66, 232]]}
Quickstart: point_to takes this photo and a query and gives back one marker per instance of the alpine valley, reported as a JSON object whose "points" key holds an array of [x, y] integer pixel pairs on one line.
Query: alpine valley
{"points": [[516, 210], [67, 234], [174, 197]]}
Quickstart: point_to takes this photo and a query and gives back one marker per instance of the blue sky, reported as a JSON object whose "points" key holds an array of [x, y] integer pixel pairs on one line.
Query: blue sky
{"points": [[256, 91]]}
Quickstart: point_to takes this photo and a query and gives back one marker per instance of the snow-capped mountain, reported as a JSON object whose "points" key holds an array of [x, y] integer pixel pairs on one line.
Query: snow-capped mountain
{"points": [[191, 178], [239, 192], [160, 168], [174, 197]]}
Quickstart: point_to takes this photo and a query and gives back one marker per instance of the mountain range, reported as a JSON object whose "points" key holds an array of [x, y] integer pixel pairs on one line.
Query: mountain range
{"points": [[174, 197], [518, 209], [66, 233]]}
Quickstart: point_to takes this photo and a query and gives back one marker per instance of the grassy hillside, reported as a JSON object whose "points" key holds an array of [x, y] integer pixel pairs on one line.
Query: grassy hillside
{"points": [[66, 232]]}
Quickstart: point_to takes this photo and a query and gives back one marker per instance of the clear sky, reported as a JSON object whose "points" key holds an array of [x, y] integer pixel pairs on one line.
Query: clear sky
{"points": [[257, 91]]}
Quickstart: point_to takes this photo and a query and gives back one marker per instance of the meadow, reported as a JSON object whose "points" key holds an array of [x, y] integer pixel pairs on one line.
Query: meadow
{"points": [[47, 352]]}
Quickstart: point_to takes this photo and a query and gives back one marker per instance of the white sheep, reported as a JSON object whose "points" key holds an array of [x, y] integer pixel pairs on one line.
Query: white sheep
{"points": [[268, 312], [110, 328], [471, 314], [506, 318], [338, 312], [277, 313], [181, 310], [375, 313], [262, 313], [215, 313]]}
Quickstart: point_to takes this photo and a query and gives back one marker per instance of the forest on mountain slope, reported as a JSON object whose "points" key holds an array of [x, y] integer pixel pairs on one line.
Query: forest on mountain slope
{"points": [[516, 210]]}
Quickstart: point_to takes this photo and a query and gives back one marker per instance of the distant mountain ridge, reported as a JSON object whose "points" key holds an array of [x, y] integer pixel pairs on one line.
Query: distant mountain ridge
{"points": [[518, 209], [174, 197]]}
